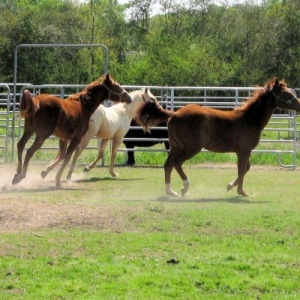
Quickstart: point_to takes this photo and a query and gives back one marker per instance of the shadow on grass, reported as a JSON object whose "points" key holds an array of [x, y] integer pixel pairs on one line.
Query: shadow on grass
{"points": [[232, 200], [96, 179], [8, 190]]}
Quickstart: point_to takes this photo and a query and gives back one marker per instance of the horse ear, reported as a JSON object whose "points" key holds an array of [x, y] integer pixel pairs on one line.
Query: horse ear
{"points": [[146, 90], [276, 86], [108, 78]]}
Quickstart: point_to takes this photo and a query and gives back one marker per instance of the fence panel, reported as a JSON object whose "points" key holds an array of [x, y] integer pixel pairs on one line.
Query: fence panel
{"points": [[283, 141], [5, 118], [280, 137]]}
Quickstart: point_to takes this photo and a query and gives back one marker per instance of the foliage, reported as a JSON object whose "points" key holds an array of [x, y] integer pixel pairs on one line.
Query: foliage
{"points": [[194, 43]]}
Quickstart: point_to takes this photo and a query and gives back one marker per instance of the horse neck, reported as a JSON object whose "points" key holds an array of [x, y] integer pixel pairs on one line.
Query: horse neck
{"points": [[136, 100], [90, 106], [260, 111]]}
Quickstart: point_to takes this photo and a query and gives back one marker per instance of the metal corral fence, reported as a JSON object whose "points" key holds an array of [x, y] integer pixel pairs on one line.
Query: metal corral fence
{"points": [[280, 136], [7, 118]]}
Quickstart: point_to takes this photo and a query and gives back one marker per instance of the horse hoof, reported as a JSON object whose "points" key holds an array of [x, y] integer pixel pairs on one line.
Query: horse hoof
{"points": [[185, 188], [17, 179], [130, 163], [43, 174], [229, 187], [183, 192], [58, 185], [243, 194], [86, 169], [172, 194]]}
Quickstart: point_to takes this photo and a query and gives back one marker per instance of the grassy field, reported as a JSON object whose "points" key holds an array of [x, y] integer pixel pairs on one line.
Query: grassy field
{"points": [[104, 238]]}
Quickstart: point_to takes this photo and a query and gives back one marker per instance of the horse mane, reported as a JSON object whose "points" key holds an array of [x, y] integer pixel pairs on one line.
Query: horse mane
{"points": [[258, 93], [85, 94]]}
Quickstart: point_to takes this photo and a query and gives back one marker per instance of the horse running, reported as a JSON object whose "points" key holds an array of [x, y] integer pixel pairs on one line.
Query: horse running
{"points": [[110, 123], [68, 119], [194, 127]]}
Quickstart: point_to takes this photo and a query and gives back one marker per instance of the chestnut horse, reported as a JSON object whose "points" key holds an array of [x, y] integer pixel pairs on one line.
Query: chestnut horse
{"points": [[110, 123], [68, 119], [194, 127]]}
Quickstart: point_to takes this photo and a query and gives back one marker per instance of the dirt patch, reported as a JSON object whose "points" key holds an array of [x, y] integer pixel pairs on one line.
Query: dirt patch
{"points": [[24, 207], [30, 216], [21, 212]]}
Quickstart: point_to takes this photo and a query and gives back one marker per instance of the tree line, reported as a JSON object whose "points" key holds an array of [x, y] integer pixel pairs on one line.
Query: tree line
{"points": [[196, 44]]}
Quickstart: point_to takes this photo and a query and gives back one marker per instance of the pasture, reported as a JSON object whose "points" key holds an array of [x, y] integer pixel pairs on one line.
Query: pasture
{"points": [[121, 238]]}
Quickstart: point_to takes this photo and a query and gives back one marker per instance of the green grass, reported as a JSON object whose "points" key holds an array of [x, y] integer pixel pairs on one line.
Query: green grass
{"points": [[158, 158], [112, 238]]}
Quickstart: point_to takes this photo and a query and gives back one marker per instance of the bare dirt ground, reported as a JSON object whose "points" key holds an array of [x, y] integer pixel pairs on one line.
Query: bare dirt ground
{"points": [[21, 212]]}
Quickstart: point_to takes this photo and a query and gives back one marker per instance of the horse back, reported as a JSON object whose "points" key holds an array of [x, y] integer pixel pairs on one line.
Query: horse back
{"points": [[200, 127], [58, 117]]}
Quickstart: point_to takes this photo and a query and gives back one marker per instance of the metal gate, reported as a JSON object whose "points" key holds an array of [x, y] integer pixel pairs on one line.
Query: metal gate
{"points": [[15, 84]]}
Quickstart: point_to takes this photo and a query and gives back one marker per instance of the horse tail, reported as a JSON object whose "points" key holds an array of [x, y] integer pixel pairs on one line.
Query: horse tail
{"points": [[151, 113], [28, 105]]}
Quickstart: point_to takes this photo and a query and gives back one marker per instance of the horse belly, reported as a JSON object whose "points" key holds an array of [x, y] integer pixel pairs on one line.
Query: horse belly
{"points": [[70, 127], [107, 131], [232, 141], [220, 141]]}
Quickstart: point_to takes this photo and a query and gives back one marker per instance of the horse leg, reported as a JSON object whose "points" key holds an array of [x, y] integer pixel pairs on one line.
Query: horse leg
{"points": [[115, 146], [184, 178], [167, 146], [103, 144], [77, 153], [68, 154], [180, 159], [243, 167], [21, 145], [37, 144], [168, 168], [83, 144], [236, 181], [130, 155], [59, 157]]}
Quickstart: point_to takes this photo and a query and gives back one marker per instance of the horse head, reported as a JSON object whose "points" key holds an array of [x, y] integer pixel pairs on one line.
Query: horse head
{"points": [[106, 84], [286, 98], [114, 89]]}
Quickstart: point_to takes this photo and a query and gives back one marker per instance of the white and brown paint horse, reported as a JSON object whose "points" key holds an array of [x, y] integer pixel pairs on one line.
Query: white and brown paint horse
{"points": [[111, 124]]}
